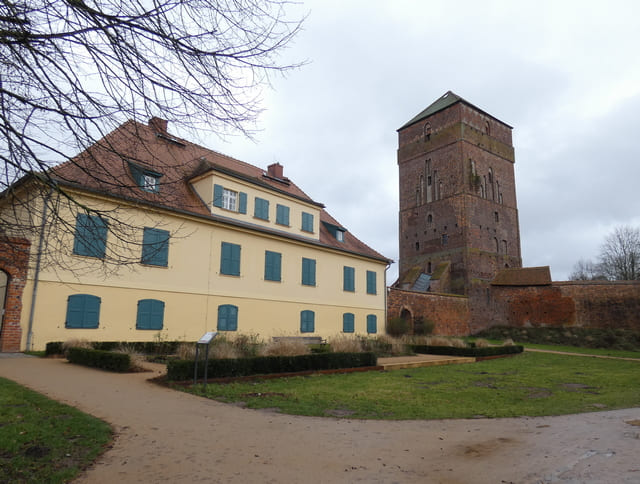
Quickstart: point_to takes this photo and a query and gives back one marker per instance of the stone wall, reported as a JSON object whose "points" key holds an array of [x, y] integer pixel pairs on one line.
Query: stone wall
{"points": [[14, 257], [450, 313]]}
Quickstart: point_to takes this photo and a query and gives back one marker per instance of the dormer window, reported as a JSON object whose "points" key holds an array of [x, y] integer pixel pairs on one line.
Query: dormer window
{"points": [[229, 198], [149, 183], [337, 232], [147, 180], [340, 235]]}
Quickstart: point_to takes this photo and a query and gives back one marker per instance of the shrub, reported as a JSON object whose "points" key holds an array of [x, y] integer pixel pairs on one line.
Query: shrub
{"points": [[54, 348], [285, 347], [136, 359], [423, 326], [184, 369], [481, 343], [345, 344], [105, 360], [397, 326], [377, 345], [75, 343], [186, 351]]}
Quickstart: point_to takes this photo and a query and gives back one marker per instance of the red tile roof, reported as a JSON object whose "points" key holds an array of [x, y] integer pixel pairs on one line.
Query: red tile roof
{"points": [[105, 168]]}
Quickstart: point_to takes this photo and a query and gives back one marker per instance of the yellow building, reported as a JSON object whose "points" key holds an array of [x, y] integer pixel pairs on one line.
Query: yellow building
{"points": [[156, 237]]}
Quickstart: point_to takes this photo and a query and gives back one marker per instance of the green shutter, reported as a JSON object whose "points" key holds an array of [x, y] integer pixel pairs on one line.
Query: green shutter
{"points": [[372, 324], [308, 272], [272, 265], [348, 325], [90, 236], [150, 314], [242, 203], [307, 222], [218, 191], [227, 317], [230, 259], [349, 279], [307, 321], [155, 247], [282, 215], [83, 311], [261, 208], [371, 282]]}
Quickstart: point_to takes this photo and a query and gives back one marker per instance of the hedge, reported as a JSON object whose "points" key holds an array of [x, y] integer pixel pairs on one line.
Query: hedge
{"points": [[472, 352], [104, 360], [53, 348], [261, 365]]}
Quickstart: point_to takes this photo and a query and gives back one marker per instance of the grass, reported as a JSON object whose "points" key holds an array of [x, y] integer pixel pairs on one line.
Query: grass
{"points": [[531, 384], [584, 351], [45, 441]]}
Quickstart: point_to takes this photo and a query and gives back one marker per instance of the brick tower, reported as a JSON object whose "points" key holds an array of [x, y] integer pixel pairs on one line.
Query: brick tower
{"points": [[458, 209]]}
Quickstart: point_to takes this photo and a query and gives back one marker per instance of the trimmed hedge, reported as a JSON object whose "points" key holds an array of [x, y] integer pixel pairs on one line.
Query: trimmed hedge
{"points": [[104, 360], [472, 352], [262, 365], [53, 348]]}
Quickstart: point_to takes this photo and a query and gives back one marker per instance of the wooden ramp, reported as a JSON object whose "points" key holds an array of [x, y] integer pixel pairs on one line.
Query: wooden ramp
{"points": [[418, 361]]}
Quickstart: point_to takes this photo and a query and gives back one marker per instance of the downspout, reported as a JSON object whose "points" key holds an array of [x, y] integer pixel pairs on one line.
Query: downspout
{"points": [[36, 274]]}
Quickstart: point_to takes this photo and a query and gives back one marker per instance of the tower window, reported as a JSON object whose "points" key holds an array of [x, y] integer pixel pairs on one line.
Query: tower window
{"points": [[417, 245], [427, 131], [496, 216], [429, 219], [445, 239]]}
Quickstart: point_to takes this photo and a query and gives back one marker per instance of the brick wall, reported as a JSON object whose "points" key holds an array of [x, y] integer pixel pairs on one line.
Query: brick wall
{"points": [[14, 257], [450, 313]]}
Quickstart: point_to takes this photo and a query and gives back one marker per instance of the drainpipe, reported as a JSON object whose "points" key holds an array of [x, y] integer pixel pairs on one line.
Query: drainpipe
{"points": [[36, 274]]}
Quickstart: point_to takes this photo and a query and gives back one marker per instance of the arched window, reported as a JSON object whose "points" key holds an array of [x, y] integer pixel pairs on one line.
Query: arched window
{"points": [[417, 245], [427, 131], [429, 219], [440, 191], [487, 128], [497, 245]]}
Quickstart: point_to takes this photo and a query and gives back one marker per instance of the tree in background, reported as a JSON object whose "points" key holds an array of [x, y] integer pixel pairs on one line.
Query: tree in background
{"points": [[619, 258]]}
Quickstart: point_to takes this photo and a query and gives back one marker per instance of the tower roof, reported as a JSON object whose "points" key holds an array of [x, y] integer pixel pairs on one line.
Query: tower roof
{"points": [[449, 98]]}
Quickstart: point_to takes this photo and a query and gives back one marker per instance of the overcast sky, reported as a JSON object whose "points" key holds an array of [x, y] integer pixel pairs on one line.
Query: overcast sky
{"points": [[564, 74]]}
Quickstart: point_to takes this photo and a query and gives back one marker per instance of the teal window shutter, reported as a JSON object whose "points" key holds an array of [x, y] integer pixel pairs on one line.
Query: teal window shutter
{"points": [[372, 324], [282, 215], [155, 247], [307, 321], [83, 311], [307, 222], [242, 204], [90, 236], [150, 314], [227, 317], [218, 191], [348, 325], [308, 272], [261, 209], [230, 259], [371, 282], [349, 283], [272, 266]]}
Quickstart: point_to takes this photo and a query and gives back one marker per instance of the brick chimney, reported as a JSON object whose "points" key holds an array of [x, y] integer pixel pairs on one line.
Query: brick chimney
{"points": [[276, 171], [159, 125]]}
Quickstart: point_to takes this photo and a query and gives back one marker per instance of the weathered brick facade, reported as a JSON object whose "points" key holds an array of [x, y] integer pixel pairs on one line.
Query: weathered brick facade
{"points": [[450, 313], [457, 194], [14, 258]]}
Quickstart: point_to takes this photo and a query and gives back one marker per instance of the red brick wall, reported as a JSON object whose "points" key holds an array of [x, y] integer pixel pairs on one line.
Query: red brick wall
{"points": [[14, 257], [450, 313]]}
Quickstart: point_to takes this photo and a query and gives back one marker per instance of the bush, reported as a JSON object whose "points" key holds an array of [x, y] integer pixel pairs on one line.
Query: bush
{"points": [[104, 360], [471, 352], [397, 326], [378, 345], [53, 348], [260, 365], [422, 326]]}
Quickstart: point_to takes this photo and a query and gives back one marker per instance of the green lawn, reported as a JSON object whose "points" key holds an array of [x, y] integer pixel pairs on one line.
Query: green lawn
{"points": [[45, 441], [530, 384], [585, 351]]}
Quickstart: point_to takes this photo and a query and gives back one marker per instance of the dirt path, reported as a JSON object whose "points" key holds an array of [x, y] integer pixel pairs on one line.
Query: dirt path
{"points": [[168, 436]]}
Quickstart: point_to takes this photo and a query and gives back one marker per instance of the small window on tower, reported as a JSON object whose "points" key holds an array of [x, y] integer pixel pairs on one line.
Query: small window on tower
{"points": [[496, 216], [417, 245], [445, 239], [427, 131], [429, 219]]}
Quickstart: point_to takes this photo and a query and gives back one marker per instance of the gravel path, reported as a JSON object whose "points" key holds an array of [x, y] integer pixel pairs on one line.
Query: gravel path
{"points": [[169, 436]]}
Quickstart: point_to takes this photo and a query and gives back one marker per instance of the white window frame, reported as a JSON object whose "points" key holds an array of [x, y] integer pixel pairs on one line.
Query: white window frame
{"points": [[230, 200]]}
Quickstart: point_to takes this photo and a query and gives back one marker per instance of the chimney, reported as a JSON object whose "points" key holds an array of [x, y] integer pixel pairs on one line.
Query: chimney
{"points": [[275, 171], [159, 125]]}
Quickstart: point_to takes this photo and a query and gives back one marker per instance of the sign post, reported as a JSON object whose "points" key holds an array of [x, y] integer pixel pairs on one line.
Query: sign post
{"points": [[205, 340]]}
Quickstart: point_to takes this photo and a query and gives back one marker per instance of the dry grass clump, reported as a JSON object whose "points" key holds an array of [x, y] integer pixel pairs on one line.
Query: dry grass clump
{"points": [[482, 343], [137, 359], [223, 349], [444, 341], [76, 343], [285, 347], [416, 339], [508, 342], [186, 351], [345, 344]]}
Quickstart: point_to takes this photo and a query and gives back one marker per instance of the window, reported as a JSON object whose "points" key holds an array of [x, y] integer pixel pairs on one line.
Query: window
{"points": [[308, 272], [371, 282], [429, 219], [340, 235], [150, 183], [230, 259], [307, 222], [307, 321], [496, 217], [372, 324], [272, 266], [335, 230], [261, 210], [155, 247], [349, 279], [229, 199], [227, 317], [150, 314], [348, 325], [90, 236], [504, 246], [282, 215], [83, 311]]}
